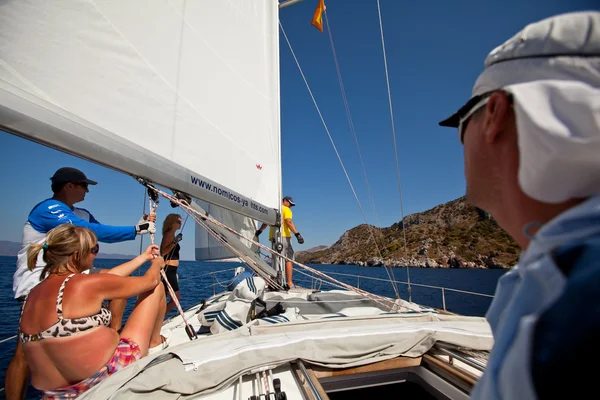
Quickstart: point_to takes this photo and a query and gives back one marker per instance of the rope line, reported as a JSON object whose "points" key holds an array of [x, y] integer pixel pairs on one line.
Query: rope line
{"points": [[350, 121], [387, 80], [335, 149], [388, 270], [391, 304], [153, 207], [199, 218], [142, 236]]}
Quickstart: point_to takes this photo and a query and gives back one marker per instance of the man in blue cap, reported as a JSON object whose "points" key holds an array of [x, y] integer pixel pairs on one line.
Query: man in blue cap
{"points": [[69, 186], [531, 136], [287, 227]]}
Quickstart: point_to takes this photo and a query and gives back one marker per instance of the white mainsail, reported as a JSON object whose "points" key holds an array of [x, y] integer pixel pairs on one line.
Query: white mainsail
{"points": [[182, 93]]}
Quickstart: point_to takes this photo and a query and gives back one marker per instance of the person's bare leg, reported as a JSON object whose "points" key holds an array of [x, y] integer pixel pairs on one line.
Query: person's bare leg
{"points": [[171, 304], [141, 323], [289, 269], [17, 375], [117, 308], [155, 338]]}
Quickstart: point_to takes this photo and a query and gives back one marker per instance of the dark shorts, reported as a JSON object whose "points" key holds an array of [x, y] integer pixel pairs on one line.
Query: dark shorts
{"points": [[171, 273], [288, 250]]}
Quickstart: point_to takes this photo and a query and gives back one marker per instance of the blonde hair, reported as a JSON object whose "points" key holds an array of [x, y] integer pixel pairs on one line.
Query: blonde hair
{"points": [[170, 220], [61, 245]]}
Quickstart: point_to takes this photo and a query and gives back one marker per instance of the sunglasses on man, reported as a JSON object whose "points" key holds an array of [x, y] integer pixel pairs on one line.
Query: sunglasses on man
{"points": [[475, 104], [82, 184]]}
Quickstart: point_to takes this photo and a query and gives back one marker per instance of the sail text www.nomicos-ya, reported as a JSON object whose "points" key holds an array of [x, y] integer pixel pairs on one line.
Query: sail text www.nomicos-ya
{"points": [[227, 194]]}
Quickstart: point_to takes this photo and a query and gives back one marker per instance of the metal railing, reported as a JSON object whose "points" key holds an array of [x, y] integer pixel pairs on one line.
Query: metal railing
{"points": [[441, 288], [214, 279]]}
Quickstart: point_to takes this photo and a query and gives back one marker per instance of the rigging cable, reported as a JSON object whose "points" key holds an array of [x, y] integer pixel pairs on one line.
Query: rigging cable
{"points": [[350, 121], [337, 153], [153, 201], [142, 236], [387, 79], [388, 270], [200, 219]]}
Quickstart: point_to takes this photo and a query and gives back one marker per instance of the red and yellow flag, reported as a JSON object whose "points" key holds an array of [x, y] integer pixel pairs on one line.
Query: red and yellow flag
{"points": [[317, 20]]}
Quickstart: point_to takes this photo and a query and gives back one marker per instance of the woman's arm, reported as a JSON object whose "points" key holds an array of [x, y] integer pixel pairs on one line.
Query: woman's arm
{"points": [[110, 286], [127, 268]]}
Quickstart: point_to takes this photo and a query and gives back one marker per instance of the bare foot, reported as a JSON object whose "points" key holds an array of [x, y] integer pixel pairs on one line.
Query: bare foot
{"points": [[154, 344]]}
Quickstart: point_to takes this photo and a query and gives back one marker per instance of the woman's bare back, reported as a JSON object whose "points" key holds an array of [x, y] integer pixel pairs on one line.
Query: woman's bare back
{"points": [[62, 361]]}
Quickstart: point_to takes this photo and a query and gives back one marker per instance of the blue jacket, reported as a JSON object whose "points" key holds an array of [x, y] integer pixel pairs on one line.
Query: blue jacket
{"points": [[51, 213], [545, 316], [47, 215]]}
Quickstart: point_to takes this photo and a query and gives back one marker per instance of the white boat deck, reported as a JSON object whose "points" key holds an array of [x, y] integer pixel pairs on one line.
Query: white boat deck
{"points": [[347, 335]]}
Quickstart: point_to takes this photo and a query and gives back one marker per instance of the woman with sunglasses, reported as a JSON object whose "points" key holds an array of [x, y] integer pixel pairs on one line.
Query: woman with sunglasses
{"points": [[65, 327], [169, 249]]}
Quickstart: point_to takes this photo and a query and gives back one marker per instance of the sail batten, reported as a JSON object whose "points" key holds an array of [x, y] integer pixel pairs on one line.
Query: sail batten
{"points": [[182, 93]]}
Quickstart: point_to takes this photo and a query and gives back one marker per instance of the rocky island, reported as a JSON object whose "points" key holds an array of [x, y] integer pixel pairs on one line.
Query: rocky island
{"points": [[451, 235]]}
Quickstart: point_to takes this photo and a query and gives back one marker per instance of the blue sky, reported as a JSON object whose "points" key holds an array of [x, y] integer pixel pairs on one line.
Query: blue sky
{"points": [[435, 51]]}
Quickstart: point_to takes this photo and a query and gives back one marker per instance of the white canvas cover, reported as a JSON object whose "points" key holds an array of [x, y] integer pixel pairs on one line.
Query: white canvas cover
{"points": [[233, 311], [210, 363]]}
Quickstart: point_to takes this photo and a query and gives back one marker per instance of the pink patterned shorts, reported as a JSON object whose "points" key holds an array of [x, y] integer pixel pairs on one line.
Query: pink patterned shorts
{"points": [[127, 352]]}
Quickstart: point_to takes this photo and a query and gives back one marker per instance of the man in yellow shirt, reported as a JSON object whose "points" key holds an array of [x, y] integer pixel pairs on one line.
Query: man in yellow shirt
{"points": [[287, 227]]}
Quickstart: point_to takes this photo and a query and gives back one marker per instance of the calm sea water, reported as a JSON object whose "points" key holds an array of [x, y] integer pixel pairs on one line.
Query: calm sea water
{"points": [[196, 282]]}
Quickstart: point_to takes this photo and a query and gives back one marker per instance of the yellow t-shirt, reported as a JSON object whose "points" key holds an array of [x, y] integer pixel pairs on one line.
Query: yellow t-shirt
{"points": [[285, 230], [286, 214]]}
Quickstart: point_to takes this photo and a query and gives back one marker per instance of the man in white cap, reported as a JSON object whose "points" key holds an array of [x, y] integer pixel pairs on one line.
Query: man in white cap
{"points": [[531, 136], [69, 186]]}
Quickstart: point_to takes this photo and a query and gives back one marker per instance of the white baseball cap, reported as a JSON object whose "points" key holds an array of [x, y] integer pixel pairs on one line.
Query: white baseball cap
{"points": [[552, 70]]}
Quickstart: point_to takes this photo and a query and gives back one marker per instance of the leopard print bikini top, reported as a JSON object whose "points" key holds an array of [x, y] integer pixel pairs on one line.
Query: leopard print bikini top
{"points": [[69, 326]]}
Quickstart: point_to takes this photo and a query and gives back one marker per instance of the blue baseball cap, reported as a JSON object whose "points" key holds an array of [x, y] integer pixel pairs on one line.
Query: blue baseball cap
{"points": [[68, 174], [290, 199]]}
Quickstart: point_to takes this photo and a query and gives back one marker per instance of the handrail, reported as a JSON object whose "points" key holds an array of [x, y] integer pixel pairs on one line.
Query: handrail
{"points": [[412, 284], [207, 274], [7, 339], [443, 289], [362, 277]]}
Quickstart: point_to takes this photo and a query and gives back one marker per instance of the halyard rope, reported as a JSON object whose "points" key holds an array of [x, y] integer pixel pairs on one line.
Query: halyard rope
{"points": [[153, 207], [389, 271], [387, 80]]}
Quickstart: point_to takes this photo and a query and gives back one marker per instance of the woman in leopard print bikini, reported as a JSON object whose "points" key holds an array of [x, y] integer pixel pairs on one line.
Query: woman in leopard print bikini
{"points": [[65, 328]]}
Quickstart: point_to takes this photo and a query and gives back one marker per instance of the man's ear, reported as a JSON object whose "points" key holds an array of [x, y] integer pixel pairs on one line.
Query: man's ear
{"points": [[497, 113]]}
